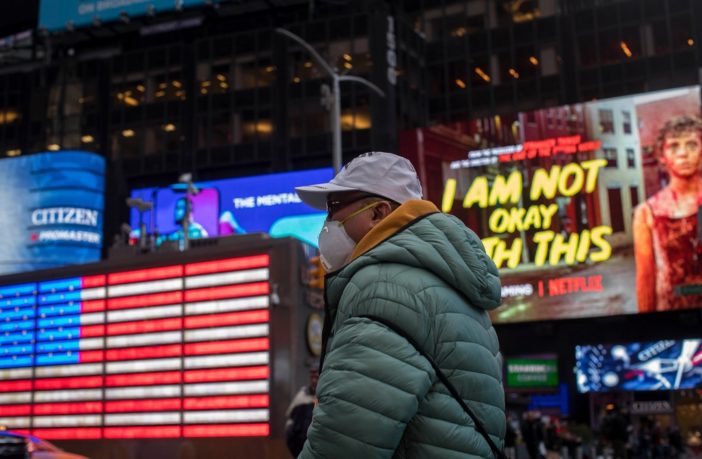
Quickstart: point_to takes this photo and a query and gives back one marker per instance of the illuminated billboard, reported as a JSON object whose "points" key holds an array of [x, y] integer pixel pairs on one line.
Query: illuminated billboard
{"points": [[62, 14], [174, 351], [532, 373], [51, 206], [655, 365], [260, 204], [587, 209]]}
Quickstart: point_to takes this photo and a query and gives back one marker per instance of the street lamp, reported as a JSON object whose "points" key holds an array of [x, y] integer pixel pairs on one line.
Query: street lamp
{"points": [[336, 96], [141, 206]]}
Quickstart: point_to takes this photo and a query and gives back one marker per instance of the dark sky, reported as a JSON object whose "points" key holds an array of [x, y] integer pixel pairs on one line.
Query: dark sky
{"points": [[17, 15]]}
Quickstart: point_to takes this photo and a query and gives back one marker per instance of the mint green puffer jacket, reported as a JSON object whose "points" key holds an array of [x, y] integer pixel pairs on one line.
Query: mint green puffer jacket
{"points": [[378, 397]]}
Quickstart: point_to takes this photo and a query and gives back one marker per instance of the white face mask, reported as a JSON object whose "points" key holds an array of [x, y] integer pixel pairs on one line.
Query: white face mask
{"points": [[335, 244]]}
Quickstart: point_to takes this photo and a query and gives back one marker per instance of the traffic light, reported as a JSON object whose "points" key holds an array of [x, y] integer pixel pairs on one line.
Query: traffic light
{"points": [[315, 274]]}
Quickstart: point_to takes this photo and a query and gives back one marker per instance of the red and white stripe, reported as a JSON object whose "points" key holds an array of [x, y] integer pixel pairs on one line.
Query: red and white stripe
{"points": [[176, 351]]}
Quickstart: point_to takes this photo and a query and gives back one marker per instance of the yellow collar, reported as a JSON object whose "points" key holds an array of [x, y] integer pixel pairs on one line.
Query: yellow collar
{"points": [[398, 219]]}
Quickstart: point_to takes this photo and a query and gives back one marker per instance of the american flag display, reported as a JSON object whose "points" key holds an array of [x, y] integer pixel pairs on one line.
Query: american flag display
{"points": [[166, 352]]}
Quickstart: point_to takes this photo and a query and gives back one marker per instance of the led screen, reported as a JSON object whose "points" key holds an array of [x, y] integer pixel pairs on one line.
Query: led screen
{"points": [[655, 365], [62, 14], [51, 206], [583, 207], [266, 203], [532, 373], [173, 351]]}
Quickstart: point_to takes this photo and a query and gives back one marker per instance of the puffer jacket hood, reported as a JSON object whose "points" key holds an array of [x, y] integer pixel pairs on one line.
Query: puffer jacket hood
{"points": [[409, 237], [428, 275]]}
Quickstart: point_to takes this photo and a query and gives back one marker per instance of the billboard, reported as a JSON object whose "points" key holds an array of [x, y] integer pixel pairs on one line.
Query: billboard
{"points": [[260, 204], [60, 14], [167, 352], [587, 209], [51, 206], [654, 365], [532, 373]]}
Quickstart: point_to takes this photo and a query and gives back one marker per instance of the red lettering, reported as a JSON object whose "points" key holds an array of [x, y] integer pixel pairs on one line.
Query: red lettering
{"points": [[590, 146], [505, 158], [570, 140], [565, 285]]}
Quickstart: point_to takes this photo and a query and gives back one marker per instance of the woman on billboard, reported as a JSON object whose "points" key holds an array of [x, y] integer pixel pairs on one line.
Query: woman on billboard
{"points": [[666, 242]]}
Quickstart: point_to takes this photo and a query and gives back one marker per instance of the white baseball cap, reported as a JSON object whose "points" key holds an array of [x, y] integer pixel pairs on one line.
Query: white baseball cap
{"points": [[379, 173]]}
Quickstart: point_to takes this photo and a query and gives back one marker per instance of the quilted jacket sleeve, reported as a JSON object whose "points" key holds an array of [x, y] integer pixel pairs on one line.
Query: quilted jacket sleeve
{"points": [[369, 389]]}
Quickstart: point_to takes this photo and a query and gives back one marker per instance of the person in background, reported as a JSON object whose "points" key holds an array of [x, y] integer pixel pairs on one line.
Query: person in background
{"points": [[533, 435], [182, 211], [299, 414], [406, 284], [511, 438], [666, 245]]}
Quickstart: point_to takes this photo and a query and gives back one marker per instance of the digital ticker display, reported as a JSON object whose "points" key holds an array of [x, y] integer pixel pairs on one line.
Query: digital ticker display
{"points": [[63, 14], [173, 351], [51, 206], [654, 365], [580, 206]]}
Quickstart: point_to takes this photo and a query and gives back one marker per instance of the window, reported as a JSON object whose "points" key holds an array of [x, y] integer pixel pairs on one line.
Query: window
{"points": [[630, 158], [616, 217], [634, 194], [610, 154], [587, 50], [168, 87], [606, 121], [626, 123]]}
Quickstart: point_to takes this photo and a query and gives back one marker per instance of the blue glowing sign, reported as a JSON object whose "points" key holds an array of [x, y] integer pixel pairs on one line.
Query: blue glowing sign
{"points": [[60, 14], [654, 365], [261, 204], [51, 206]]}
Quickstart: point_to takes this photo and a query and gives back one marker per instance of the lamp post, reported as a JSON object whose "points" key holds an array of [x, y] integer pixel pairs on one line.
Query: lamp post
{"points": [[141, 206], [335, 110]]}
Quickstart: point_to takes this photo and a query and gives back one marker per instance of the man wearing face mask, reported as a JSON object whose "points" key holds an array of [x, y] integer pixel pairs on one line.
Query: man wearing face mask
{"points": [[410, 361]]}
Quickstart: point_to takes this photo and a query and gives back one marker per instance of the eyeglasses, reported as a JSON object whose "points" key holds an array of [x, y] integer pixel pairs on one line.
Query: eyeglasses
{"points": [[333, 206]]}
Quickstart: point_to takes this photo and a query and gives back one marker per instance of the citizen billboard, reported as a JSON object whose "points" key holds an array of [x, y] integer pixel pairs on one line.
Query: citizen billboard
{"points": [[52, 206]]}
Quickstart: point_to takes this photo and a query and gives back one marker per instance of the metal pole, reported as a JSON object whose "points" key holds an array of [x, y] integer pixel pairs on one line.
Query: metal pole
{"points": [[336, 126], [186, 222], [335, 116]]}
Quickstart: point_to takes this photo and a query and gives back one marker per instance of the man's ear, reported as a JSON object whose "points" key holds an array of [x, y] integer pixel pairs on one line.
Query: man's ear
{"points": [[382, 210]]}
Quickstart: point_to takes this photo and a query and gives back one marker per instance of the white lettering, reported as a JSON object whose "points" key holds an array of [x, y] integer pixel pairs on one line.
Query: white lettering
{"points": [[277, 199], [86, 8], [64, 216], [655, 349], [517, 290], [391, 55], [244, 203], [68, 235]]}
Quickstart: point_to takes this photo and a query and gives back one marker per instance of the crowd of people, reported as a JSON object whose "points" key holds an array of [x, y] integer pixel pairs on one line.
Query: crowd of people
{"points": [[537, 436]]}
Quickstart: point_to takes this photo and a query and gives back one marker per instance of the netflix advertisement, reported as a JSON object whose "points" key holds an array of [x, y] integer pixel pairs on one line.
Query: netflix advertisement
{"points": [[587, 210]]}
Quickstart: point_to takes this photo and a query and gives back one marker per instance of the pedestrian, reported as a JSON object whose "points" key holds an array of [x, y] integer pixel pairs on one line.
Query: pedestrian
{"points": [[511, 438], [408, 292], [299, 414]]}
